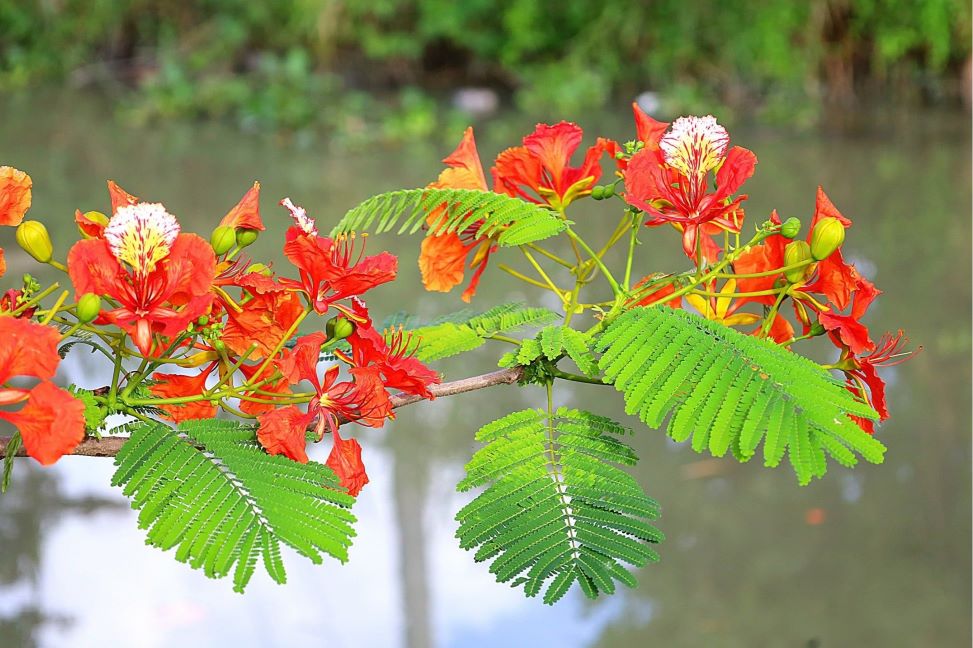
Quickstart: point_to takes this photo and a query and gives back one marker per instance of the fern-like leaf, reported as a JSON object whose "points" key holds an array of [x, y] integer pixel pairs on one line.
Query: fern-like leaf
{"points": [[557, 510], [553, 343], [466, 331], [511, 221], [726, 391], [209, 490]]}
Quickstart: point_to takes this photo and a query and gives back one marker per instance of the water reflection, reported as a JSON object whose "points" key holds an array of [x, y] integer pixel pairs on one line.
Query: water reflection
{"points": [[877, 556]]}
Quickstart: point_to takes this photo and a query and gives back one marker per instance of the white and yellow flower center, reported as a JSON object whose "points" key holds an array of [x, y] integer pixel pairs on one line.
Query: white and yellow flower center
{"points": [[141, 235], [695, 145]]}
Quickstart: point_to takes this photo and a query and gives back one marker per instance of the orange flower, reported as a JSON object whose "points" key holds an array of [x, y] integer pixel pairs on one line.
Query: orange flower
{"points": [[177, 385], [442, 257], [52, 421], [14, 195], [246, 213], [265, 319]]}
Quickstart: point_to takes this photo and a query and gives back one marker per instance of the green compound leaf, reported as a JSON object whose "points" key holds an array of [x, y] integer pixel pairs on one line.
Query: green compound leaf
{"points": [[557, 510], [210, 491], [724, 390], [511, 221]]}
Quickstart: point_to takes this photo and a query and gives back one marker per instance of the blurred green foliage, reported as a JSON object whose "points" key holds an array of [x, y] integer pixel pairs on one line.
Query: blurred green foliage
{"points": [[346, 66]]}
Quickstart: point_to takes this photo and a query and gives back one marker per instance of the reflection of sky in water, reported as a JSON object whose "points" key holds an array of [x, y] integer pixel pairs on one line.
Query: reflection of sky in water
{"points": [[878, 556]]}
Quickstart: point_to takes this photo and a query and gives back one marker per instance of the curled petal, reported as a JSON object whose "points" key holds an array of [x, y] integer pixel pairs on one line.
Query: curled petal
{"points": [[119, 197], [442, 259], [178, 385], [345, 461]]}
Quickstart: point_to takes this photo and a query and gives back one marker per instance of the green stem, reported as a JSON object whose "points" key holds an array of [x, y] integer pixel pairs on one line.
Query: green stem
{"points": [[616, 289], [564, 375], [35, 299]]}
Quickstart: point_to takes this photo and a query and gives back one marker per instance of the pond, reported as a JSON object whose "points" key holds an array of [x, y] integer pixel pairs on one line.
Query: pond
{"points": [[875, 556]]}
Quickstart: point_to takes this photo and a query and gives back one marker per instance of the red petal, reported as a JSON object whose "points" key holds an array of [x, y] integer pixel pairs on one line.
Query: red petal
{"points": [[823, 207], [93, 268], [119, 197], [27, 349], [51, 423], [647, 129], [738, 166], [345, 461], [90, 228], [282, 431], [177, 385], [15, 195], [852, 333], [301, 362]]}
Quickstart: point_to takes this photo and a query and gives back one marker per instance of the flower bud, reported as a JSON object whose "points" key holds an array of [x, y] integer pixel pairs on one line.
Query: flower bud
{"points": [[89, 305], [817, 329], [33, 237], [609, 190], [95, 217], [219, 346], [245, 237], [598, 192], [828, 235], [202, 320], [223, 239], [338, 328], [790, 228], [794, 253]]}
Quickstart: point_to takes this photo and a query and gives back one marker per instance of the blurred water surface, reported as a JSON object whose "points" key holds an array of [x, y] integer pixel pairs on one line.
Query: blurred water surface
{"points": [[878, 556]]}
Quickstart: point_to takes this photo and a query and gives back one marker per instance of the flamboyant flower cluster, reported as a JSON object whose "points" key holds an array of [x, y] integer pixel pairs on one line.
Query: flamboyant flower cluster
{"points": [[684, 174], [193, 327]]}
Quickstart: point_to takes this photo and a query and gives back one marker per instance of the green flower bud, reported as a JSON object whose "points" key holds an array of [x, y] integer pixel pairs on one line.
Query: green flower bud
{"points": [[790, 228], [203, 320], [609, 190], [338, 328], [598, 192], [219, 345], [223, 239], [794, 253], [828, 235], [89, 305], [33, 237], [245, 237], [817, 329]]}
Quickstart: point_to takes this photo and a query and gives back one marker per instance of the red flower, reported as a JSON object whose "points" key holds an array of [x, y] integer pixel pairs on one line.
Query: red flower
{"points": [[331, 270], [399, 368], [160, 278], [662, 291], [246, 213], [345, 461], [670, 183], [863, 379], [178, 385], [539, 172], [52, 421], [442, 257], [14, 195]]}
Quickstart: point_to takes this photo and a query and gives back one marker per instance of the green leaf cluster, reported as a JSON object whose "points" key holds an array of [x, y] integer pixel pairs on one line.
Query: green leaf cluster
{"points": [[728, 391], [210, 491], [557, 510], [482, 214], [553, 343]]}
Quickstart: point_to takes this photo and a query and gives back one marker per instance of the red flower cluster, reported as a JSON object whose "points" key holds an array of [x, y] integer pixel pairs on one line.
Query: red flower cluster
{"points": [[539, 172]]}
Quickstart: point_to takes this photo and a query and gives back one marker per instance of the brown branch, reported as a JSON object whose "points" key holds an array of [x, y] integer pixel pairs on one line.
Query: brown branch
{"points": [[109, 446]]}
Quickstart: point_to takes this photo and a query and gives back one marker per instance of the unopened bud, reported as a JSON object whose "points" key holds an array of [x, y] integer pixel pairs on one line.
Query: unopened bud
{"points": [[33, 237], [223, 239], [609, 190], [219, 345], [796, 252], [790, 228], [89, 305], [828, 235], [202, 320], [817, 329], [338, 328], [95, 217], [245, 237], [598, 192]]}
